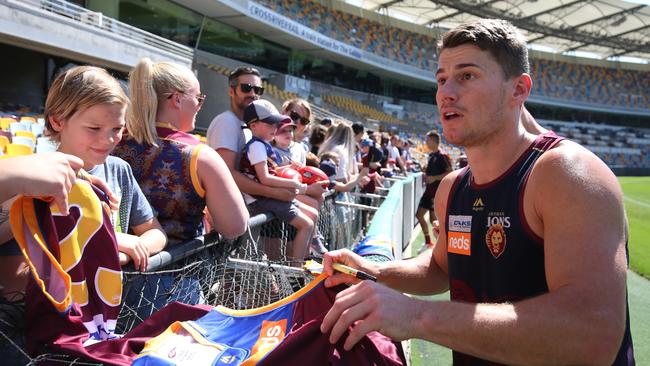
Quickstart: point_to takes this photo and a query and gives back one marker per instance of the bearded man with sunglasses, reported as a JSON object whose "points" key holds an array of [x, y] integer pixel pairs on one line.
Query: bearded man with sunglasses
{"points": [[228, 134]]}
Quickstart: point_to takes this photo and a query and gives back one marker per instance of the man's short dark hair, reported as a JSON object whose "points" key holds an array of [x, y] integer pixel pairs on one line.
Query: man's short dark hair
{"points": [[357, 128], [434, 135], [499, 37], [233, 77]]}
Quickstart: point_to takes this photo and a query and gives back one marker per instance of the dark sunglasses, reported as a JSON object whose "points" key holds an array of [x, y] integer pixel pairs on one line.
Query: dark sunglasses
{"points": [[246, 88], [296, 117]]}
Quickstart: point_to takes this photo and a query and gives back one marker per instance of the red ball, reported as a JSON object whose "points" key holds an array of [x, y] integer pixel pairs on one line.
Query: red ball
{"points": [[287, 172], [312, 175]]}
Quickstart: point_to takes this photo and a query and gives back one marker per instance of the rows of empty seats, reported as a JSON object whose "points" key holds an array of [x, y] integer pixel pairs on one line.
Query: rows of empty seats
{"points": [[23, 135], [616, 146], [361, 110], [394, 43], [591, 84]]}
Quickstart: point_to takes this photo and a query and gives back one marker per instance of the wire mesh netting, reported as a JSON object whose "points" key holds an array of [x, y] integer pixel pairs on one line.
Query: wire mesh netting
{"points": [[249, 272]]}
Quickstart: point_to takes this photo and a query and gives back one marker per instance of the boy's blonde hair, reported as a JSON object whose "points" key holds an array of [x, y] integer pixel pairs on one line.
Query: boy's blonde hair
{"points": [[80, 88], [149, 84]]}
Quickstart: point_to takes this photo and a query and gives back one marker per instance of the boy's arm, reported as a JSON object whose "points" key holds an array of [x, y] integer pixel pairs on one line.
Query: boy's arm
{"points": [[250, 186], [149, 239], [262, 172]]}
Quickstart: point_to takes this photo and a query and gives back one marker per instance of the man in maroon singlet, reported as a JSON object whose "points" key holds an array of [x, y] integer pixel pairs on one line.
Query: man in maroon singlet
{"points": [[533, 237]]}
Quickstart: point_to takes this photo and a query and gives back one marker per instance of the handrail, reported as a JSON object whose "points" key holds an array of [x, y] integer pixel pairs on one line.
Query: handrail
{"points": [[99, 21]]}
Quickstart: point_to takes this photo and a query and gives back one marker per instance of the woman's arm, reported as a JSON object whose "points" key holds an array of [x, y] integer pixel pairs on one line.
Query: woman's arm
{"points": [[224, 201]]}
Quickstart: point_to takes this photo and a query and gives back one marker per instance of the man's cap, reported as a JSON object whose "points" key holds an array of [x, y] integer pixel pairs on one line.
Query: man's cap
{"points": [[366, 142], [326, 121], [286, 123], [264, 111]]}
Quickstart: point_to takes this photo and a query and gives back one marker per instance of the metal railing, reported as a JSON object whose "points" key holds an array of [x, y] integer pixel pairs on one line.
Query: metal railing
{"points": [[99, 21]]}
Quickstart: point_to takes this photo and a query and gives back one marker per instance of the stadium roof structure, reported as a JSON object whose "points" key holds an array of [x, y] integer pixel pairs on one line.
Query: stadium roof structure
{"points": [[608, 29]]}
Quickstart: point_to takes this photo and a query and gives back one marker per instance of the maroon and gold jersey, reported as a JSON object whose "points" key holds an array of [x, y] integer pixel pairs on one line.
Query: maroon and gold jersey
{"points": [[283, 333], [74, 263]]}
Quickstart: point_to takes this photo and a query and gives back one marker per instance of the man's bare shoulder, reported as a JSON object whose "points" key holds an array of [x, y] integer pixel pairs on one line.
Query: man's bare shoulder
{"points": [[570, 166]]}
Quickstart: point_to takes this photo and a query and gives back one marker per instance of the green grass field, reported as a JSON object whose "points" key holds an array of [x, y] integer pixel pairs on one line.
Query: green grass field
{"points": [[636, 192]]}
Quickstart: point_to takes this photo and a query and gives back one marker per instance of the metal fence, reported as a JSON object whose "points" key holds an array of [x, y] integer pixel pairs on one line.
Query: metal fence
{"points": [[251, 271]]}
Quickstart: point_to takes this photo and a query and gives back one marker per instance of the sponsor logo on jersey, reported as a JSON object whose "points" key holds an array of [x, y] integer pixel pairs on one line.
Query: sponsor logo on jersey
{"points": [[228, 359], [498, 218], [478, 204], [460, 223], [271, 334], [459, 243], [495, 239]]}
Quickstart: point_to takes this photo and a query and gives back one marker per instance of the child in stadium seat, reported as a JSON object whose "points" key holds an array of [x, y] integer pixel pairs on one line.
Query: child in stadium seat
{"points": [[84, 112], [258, 162]]}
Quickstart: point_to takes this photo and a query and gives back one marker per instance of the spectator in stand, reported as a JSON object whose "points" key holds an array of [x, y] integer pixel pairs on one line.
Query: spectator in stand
{"points": [[84, 112], [326, 122], [317, 137], [258, 162], [228, 134], [406, 153], [438, 166], [462, 161], [342, 143], [300, 112], [329, 163], [169, 162], [394, 153], [288, 152], [371, 166], [358, 130]]}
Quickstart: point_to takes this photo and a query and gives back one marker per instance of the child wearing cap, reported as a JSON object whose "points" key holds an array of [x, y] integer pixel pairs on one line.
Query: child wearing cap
{"points": [[371, 157], [258, 161], [329, 163]]}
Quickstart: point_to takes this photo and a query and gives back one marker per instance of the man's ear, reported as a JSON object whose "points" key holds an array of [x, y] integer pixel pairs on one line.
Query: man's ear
{"points": [[56, 123], [522, 87], [231, 91]]}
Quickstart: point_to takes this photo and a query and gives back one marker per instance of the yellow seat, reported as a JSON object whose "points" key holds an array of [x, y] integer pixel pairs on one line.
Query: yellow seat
{"points": [[28, 119], [5, 122], [18, 149], [26, 134], [4, 141]]}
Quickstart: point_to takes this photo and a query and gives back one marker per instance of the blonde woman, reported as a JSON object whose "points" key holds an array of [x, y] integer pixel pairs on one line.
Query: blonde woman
{"points": [[341, 142], [178, 174]]}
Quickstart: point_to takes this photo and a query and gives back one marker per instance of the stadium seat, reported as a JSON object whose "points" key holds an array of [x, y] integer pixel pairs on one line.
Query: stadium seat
{"points": [[5, 122], [45, 145], [18, 126], [28, 119], [18, 149], [4, 141], [37, 129], [22, 140], [26, 134]]}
